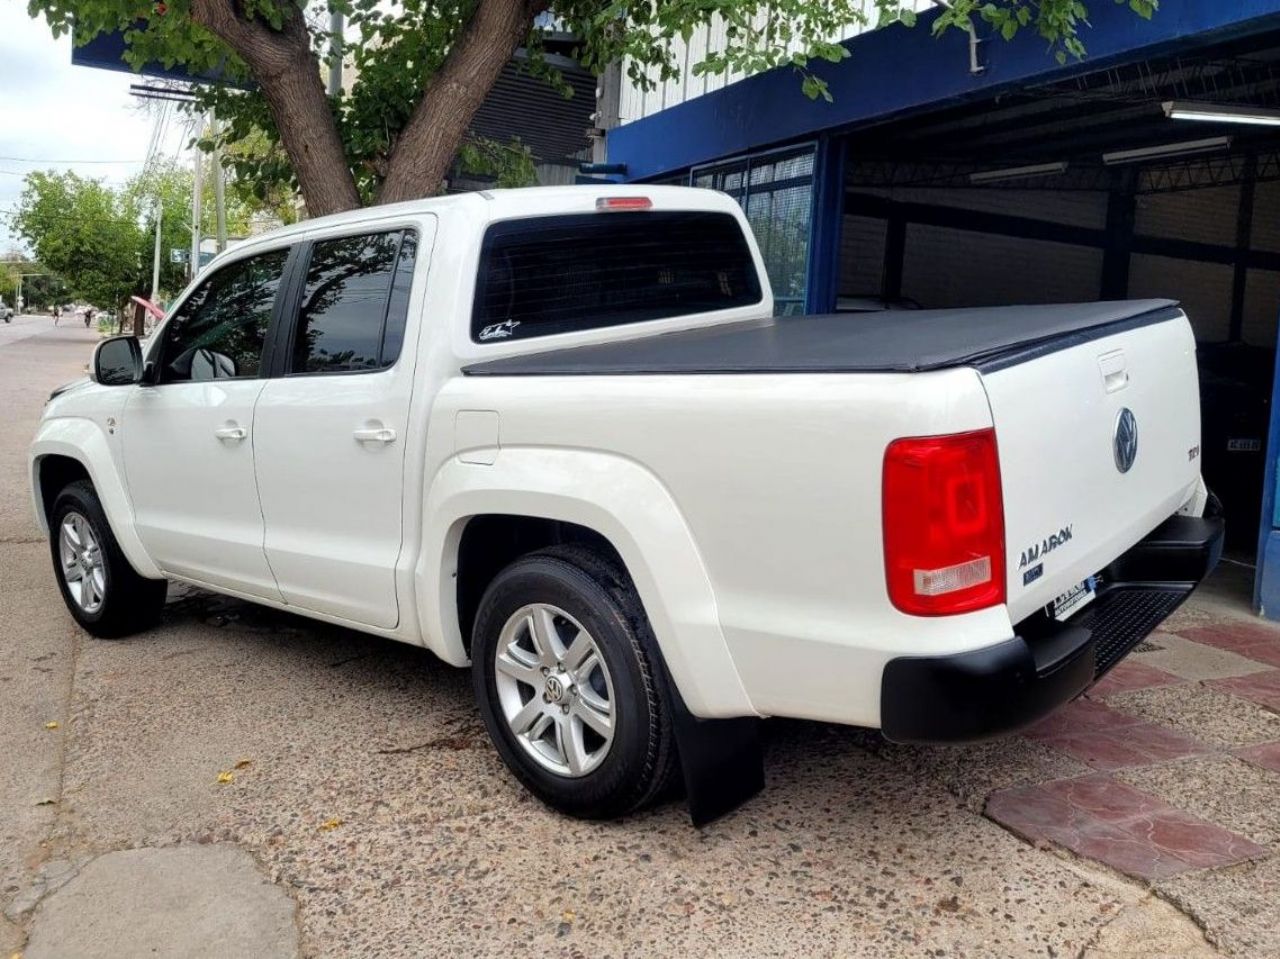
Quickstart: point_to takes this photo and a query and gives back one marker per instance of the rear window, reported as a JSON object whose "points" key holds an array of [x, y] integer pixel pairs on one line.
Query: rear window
{"points": [[562, 274]]}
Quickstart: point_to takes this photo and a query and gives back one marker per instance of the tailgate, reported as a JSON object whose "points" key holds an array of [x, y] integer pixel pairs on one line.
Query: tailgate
{"points": [[1073, 501]]}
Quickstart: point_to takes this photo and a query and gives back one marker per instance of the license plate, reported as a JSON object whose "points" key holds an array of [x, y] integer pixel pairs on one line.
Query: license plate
{"points": [[1074, 599], [1244, 446]]}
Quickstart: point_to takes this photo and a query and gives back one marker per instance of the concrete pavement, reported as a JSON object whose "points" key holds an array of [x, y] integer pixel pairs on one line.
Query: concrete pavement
{"points": [[361, 792]]}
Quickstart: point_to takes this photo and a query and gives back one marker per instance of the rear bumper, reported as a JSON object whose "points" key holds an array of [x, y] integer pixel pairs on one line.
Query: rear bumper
{"points": [[1002, 688]]}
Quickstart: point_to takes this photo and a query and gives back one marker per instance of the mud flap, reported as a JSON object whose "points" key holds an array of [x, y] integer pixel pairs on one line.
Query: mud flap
{"points": [[721, 759]]}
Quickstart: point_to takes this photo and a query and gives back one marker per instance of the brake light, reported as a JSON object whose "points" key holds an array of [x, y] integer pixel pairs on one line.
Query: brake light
{"points": [[606, 203], [943, 516]]}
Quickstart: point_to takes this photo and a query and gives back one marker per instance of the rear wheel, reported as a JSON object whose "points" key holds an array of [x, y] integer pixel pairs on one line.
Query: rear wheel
{"points": [[567, 687], [104, 594]]}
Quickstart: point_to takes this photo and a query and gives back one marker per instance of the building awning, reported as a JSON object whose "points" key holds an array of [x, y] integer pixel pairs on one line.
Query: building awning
{"points": [[898, 71]]}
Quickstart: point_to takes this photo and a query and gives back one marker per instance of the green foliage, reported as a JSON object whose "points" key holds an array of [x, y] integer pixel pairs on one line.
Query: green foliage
{"points": [[81, 230], [8, 283], [101, 240], [1057, 22], [509, 164], [397, 46], [171, 184], [42, 292], [261, 178]]}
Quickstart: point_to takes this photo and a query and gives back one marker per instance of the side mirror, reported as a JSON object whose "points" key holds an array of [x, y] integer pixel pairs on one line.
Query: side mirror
{"points": [[118, 361]]}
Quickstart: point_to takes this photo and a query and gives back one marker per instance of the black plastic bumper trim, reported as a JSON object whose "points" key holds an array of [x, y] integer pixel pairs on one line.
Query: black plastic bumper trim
{"points": [[1002, 688]]}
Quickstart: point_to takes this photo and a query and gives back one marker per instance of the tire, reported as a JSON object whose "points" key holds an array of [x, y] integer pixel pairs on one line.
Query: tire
{"points": [[595, 596], [126, 603]]}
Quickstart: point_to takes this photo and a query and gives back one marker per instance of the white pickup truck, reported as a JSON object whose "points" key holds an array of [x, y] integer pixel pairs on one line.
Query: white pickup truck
{"points": [[558, 435]]}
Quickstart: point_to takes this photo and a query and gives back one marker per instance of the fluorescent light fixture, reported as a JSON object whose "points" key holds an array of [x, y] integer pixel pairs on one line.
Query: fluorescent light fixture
{"points": [[1220, 113], [1164, 150], [1018, 173]]}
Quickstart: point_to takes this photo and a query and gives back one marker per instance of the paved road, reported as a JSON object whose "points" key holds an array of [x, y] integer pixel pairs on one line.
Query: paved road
{"points": [[28, 325], [363, 789]]}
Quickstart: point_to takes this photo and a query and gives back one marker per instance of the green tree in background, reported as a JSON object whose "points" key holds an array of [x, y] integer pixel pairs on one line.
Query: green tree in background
{"points": [[9, 284], [101, 240], [426, 66], [79, 229], [44, 291]]}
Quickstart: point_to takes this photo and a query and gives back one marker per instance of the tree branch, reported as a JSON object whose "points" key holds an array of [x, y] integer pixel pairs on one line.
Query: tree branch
{"points": [[430, 140], [284, 66]]}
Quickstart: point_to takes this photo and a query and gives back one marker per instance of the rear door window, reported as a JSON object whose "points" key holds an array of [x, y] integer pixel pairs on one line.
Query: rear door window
{"points": [[546, 275], [355, 303]]}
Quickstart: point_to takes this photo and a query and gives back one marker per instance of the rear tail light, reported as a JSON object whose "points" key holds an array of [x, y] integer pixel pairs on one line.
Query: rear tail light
{"points": [[944, 524], [606, 203]]}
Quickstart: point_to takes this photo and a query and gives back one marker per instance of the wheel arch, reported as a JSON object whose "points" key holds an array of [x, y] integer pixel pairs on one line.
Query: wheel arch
{"points": [[68, 449], [531, 497]]}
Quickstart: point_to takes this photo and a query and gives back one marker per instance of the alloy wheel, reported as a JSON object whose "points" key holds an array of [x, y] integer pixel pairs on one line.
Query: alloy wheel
{"points": [[554, 690], [82, 564]]}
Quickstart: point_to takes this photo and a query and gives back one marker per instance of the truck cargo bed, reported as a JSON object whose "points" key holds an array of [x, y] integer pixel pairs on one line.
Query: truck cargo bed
{"points": [[903, 341]]}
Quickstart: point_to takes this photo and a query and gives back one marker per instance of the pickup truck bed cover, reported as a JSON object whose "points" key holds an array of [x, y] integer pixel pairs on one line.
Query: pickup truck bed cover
{"points": [[904, 341]]}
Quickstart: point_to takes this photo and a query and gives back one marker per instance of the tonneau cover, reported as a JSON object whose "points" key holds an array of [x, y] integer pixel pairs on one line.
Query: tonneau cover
{"points": [[891, 341]]}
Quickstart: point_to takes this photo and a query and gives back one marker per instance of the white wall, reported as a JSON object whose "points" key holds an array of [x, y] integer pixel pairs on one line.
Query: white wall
{"points": [[635, 103]]}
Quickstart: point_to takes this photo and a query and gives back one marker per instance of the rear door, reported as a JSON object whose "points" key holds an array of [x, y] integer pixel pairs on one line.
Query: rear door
{"points": [[330, 430], [1099, 443]]}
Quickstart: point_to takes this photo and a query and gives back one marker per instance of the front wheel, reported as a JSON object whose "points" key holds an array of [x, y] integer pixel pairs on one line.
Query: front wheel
{"points": [[567, 687], [103, 592]]}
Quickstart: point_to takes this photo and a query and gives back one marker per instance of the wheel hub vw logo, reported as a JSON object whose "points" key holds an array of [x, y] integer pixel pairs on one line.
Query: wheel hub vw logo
{"points": [[1126, 440], [555, 690]]}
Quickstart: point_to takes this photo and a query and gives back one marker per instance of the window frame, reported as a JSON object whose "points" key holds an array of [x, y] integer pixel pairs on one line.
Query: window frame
{"points": [[266, 364], [291, 307]]}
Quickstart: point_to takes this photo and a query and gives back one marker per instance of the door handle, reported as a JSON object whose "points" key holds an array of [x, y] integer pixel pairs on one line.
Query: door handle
{"points": [[232, 432], [380, 434]]}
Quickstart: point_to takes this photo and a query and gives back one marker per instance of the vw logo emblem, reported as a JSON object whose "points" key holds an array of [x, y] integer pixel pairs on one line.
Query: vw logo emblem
{"points": [[1126, 440], [555, 690]]}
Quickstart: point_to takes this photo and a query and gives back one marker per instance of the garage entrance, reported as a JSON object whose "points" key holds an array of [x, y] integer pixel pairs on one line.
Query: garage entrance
{"points": [[1152, 179]]}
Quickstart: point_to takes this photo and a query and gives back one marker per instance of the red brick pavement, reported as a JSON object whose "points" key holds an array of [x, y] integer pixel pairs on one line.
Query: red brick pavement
{"points": [[1102, 818]]}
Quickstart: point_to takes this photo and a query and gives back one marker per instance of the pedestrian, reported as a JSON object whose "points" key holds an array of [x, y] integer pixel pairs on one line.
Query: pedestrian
{"points": [[88, 316], [57, 314]]}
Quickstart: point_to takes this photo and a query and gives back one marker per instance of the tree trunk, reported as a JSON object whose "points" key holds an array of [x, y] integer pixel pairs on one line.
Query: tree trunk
{"points": [[430, 140], [284, 67]]}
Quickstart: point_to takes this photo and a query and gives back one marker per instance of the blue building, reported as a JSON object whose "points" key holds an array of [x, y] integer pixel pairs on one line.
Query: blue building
{"points": [[963, 171]]}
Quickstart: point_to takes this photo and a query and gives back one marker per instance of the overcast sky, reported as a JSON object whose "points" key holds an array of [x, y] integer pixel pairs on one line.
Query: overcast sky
{"points": [[54, 115]]}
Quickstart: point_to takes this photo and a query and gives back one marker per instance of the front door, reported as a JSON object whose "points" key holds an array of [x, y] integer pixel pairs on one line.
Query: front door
{"points": [[330, 432], [188, 439]]}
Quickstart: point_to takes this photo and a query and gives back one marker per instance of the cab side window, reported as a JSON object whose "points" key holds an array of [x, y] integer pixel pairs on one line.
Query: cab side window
{"points": [[355, 303], [220, 331]]}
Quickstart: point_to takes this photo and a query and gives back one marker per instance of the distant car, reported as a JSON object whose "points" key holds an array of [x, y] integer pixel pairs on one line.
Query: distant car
{"points": [[6, 311]]}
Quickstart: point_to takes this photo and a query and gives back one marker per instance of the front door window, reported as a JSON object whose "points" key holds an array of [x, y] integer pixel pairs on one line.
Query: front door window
{"points": [[220, 330]]}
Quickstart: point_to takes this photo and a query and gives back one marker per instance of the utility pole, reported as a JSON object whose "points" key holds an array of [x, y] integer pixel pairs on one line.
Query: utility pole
{"points": [[197, 209], [155, 266], [335, 50], [219, 197]]}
